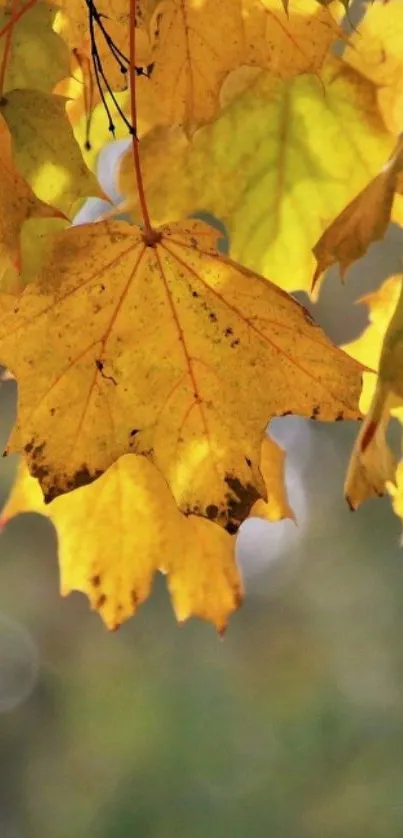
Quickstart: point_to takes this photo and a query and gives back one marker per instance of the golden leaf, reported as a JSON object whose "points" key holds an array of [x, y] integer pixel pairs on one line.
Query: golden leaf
{"points": [[38, 57], [45, 150], [194, 49], [363, 221], [375, 49], [372, 464], [17, 203], [277, 506], [167, 351], [116, 533], [264, 172]]}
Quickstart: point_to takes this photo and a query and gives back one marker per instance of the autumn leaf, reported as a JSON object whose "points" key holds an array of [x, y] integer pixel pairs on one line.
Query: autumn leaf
{"points": [[165, 351], [367, 347], [375, 50], [17, 203], [264, 172], [194, 49], [372, 464], [106, 39], [116, 533], [148, 365], [395, 490], [277, 505], [364, 220], [144, 12], [38, 57], [44, 149]]}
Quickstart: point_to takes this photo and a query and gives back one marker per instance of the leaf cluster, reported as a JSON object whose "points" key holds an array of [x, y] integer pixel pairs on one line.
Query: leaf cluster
{"points": [[148, 363]]}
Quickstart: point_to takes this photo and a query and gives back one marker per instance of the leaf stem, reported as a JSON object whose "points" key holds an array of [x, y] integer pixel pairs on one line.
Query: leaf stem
{"points": [[7, 46], [148, 230], [16, 17]]}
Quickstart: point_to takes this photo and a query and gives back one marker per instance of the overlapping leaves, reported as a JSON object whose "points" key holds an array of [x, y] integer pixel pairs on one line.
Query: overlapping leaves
{"points": [[148, 365]]}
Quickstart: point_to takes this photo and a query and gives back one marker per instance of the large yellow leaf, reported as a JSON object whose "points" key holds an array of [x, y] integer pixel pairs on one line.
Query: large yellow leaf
{"points": [[45, 150], [115, 534], [38, 57], [376, 50], [166, 350], [194, 48], [17, 203], [280, 163]]}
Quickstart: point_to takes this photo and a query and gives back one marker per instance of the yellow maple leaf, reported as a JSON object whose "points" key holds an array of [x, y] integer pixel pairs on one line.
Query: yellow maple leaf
{"points": [[194, 49], [167, 350], [372, 464], [375, 49], [116, 533], [364, 220], [17, 203], [277, 506], [45, 150], [264, 172], [38, 57]]}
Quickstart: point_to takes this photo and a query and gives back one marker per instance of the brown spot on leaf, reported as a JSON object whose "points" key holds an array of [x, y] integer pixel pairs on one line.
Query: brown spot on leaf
{"points": [[212, 512], [316, 412], [101, 601], [339, 417], [83, 477], [240, 500], [231, 527], [96, 580]]}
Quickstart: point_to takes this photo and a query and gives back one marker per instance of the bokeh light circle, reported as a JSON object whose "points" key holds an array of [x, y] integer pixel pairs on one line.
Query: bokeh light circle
{"points": [[19, 664]]}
